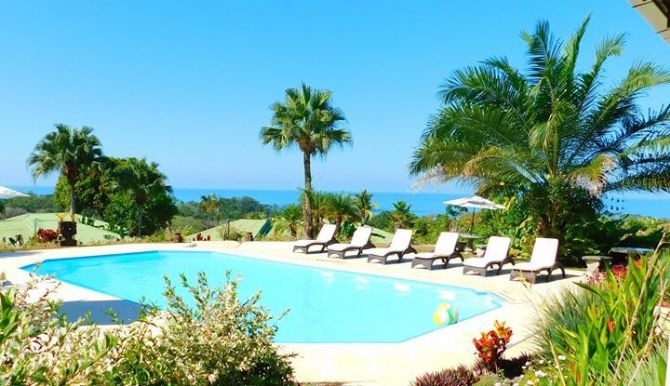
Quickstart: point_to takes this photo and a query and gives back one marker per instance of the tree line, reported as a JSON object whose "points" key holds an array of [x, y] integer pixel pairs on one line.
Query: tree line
{"points": [[131, 194]]}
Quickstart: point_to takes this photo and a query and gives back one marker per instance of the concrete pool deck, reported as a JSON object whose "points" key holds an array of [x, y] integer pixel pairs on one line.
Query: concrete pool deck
{"points": [[353, 363]]}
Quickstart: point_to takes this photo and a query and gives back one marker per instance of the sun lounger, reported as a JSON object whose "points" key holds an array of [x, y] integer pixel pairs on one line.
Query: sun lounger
{"points": [[445, 249], [400, 245], [325, 237], [544, 258], [359, 241], [497, 254]]}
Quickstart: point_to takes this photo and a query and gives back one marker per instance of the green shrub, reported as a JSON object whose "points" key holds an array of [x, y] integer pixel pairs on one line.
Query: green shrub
{"points": [[221, 341], [460, 376], [599, 327]]}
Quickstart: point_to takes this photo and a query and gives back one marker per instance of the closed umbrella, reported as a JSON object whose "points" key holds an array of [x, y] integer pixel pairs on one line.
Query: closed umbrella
{"points": [[7, 193], [474, 202]]}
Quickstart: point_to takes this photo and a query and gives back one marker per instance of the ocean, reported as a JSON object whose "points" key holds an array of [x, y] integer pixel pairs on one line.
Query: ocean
{"points": [[421, 203]]}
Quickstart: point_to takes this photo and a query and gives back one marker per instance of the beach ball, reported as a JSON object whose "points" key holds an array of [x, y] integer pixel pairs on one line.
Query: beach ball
{"points": [[445, 314]]}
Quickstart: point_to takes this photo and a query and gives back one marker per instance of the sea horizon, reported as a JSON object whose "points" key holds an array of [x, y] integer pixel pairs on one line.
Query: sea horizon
{"points": [[422, 203]]}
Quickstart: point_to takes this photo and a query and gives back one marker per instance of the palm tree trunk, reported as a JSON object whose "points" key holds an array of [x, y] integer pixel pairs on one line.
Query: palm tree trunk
{"points": [[73, 201], [139, 222], [307, 205]]}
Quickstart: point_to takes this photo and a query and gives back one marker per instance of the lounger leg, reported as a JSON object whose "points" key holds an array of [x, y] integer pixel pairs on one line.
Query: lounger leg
{"points": [[562, 272], [549, 271]]}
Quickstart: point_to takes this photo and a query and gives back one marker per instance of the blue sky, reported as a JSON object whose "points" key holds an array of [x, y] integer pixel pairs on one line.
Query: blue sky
{"points": [[189, 84]]}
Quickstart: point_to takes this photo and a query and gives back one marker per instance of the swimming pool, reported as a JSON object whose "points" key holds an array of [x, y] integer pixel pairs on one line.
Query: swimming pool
{"points": [[325, 306]]}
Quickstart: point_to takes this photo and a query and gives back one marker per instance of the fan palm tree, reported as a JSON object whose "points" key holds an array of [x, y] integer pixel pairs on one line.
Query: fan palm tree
{"points": [[340, 208], [68, 151], [402, 214], [558, 137], [306, 119], [142, 180], [363, 205], [288, 219]]}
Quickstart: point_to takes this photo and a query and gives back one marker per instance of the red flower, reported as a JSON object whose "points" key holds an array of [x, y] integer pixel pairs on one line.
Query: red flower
{"points": [[610, 325]]}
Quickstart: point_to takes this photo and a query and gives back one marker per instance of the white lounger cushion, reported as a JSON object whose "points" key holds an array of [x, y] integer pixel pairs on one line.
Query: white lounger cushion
{"points": [[445, 246], [545, 253], [401, 241], [326, 234], [359, 240], [496, 252]]}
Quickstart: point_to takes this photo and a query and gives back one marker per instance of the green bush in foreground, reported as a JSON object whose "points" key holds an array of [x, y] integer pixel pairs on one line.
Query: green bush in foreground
{"points": [[608, 331], [220, 341]]}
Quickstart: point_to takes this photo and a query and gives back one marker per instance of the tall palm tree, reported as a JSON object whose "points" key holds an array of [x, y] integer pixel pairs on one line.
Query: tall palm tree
{"points": [[306, 119], [142, 180], [68, 151], [558, 137], [363, 205], [402, 214], [340, 208]]}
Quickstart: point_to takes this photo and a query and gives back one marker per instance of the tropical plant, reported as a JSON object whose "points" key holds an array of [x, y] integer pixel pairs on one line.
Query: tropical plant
{"points": [[340, 208], [557, 136], [209, 337], [68, 151], [306, 119], [608, 324], [289, 218], [211, 206], [402, 215], [460, 376], [363, 205], [145, 184], [491, 345]]}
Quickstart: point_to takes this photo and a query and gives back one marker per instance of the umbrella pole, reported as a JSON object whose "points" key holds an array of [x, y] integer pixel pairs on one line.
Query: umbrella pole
{"points": [[472, 221]]}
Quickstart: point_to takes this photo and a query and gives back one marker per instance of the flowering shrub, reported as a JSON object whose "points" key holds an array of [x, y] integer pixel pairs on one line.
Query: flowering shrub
{"points": [[492, 344], [47, 235], [220, 341], [460, 376]]}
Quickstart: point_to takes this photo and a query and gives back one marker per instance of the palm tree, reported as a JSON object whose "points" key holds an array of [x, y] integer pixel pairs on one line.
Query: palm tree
{"points": [[402, 214], [288, 218], [558, 137], [363, 205], [211, 205], [306, 119], [340, 208], [68, 151], [142, 180]]}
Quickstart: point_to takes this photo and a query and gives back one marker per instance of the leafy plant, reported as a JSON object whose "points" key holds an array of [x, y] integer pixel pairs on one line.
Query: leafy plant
{"points": [[219, 340], [492, 344], [47, 235], [606, 323], [460, 376]]}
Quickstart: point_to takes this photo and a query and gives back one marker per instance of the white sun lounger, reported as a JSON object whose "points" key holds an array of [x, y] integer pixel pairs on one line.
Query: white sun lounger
{"points": [[325, 237], [445, 249], [497, 254], [400, 245], [544, 258], [359, 241]]}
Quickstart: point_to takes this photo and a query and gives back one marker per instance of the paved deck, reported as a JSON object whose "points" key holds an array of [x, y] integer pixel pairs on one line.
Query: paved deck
{"points": [[380, 364]]}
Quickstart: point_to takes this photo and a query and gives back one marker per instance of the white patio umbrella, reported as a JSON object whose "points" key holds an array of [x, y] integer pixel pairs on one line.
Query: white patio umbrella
{"points": [[7, 193], [474, 202]]}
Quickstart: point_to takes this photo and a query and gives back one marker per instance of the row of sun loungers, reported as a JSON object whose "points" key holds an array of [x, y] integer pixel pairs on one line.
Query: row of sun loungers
{"points": [[543, 258]]}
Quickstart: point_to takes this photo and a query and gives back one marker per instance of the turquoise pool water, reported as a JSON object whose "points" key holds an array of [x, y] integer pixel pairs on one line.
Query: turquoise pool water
{"points": [[325, 306]]}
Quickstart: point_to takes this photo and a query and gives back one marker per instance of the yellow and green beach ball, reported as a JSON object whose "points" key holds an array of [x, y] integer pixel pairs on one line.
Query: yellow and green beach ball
{"points": [[445, 314]]}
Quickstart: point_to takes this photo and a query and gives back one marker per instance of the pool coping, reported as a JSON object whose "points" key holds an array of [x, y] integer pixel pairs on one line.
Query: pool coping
{"points": [[357, 363]]}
